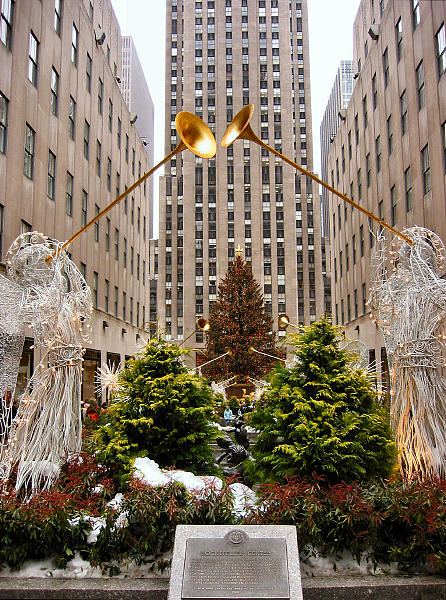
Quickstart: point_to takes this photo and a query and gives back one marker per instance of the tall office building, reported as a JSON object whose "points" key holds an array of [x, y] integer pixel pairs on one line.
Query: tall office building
{"points": [[67, 149], [221, 56], [389, 153], [137, 96], [334, 113]]}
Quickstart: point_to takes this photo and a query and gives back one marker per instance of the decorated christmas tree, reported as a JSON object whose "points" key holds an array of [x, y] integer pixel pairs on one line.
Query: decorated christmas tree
{"points": [[238, 322], [162, 411], [321, 416]]}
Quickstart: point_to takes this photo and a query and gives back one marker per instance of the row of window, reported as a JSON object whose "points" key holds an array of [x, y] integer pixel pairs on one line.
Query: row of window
{"points": [[340, 317]]}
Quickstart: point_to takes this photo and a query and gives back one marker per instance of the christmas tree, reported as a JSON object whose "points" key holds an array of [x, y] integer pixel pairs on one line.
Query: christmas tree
{"points": [[321, 417], [238, 322], [163, 411]]}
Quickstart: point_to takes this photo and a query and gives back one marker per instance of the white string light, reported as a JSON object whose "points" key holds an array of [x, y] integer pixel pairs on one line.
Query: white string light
{"points": [[55, 298], [409, 306]]}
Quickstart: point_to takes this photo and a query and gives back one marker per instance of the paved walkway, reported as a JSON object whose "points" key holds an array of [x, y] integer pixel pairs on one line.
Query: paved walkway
{"points": [[316, 588]]}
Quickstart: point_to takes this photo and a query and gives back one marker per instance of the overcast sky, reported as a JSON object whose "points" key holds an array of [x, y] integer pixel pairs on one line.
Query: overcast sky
{"points": [[331, 40]]}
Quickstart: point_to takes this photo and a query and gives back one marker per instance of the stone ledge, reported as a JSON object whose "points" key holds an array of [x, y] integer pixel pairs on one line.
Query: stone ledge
{"points": [[379, 587]]}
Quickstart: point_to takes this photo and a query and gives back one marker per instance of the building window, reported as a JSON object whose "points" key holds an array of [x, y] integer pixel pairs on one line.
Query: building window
{"points": [[116, 244], [368, 167], [96, 224], [51, 187], [124, 306], [441, 50], [109, 170], [389, 135], [408, 189], [54, 99], [84, 208], [361, 240], [98, 158], [88, 74], [100, 95], [25, 227], [4, 103], [110, 115], [33, 60], [106, 294], [107, 234], [119, 133], [69, 195], [426, 169], [403, 108], [421, 92], [86, 140], [74, 44], [350, 144], [378, 153], [30, 142], [6, 22], [359, 185], [374, 92], [415, 13], [116, 301], [364, 298], [72, 118], [399, 39], [126, 148], [95, 289], [57, 16], [443, 137], [386, 67], [393, 205], [124, 254], [356, 129]]}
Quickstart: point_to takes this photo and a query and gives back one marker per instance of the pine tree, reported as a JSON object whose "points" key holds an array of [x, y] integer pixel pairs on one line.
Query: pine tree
{"points": [[321, 417], [238, 321], [164, 412]]}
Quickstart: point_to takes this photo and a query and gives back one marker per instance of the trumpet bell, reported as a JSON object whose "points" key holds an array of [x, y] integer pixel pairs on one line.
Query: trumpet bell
{"points": [[238, 125], [203, 324], [284, 321], [195, 134]]}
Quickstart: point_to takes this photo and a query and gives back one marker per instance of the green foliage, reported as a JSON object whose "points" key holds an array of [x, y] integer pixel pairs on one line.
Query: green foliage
{"points": [[234, 404], [152, 516], [321, 417], [164, 412], [381, 521], [238, 320]]}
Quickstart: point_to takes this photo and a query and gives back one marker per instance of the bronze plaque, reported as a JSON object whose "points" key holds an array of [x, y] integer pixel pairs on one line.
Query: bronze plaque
{"points": [[235, 567]]}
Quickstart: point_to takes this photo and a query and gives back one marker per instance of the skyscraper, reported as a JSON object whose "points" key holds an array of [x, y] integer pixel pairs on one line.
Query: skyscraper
{"points": [[221, 56], [67, 149], [334, 113], [389, 153], [136, 94]]}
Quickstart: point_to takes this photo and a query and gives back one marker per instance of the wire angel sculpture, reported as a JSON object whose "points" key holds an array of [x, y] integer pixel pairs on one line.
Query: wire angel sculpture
{"points": [[56, 304], [409, 306]]}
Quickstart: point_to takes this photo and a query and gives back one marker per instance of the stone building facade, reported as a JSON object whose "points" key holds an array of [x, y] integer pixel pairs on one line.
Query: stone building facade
{"points": [[220, 56], [389, 153], [67, 150]]}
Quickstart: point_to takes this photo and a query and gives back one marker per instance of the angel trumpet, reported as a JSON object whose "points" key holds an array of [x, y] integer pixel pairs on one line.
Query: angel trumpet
{"points": [[195, 135], [239, 127]]}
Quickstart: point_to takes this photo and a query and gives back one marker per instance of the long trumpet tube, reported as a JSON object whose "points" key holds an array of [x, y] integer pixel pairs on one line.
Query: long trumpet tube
{"points": [[194, 134], [240, 128], [181, 146]]}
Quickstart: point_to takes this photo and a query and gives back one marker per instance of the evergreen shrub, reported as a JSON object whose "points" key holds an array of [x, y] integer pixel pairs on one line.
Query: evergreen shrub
{"points": [[164, 412], [321, 416]]}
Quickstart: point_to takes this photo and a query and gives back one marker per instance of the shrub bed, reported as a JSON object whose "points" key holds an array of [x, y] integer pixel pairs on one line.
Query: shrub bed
{"points": [[386, 521]]}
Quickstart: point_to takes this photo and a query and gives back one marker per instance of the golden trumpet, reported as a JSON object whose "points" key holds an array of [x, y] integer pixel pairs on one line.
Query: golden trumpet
{"points": [[202, 324], [195, 135], [239, 127]]}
